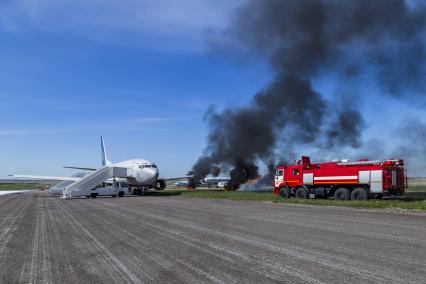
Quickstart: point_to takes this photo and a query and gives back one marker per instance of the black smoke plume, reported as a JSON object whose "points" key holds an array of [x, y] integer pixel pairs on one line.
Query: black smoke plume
{"points": [[412, 148], [302, 40]]}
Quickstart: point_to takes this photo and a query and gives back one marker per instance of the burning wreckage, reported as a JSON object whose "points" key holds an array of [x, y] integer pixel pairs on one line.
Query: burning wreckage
{"points": [[302, 41]]}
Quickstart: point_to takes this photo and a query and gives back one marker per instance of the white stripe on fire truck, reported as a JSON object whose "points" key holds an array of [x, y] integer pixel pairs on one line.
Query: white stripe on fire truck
{"points": [[336, 177]]}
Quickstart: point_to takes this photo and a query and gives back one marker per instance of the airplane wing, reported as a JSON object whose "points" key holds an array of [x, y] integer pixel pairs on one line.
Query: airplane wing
{"points": [[175, 178], [45, 177], [79, 168]]}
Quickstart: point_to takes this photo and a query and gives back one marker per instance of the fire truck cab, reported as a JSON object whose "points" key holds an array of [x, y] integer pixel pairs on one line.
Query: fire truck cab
{"points": [[343, 180]]}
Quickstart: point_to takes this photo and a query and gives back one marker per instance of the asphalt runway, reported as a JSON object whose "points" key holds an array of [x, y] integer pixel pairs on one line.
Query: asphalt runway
{"points": [[175, 239]]}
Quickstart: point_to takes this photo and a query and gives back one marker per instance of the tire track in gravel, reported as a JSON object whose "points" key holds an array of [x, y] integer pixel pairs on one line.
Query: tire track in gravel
{"points": [[162, 254], [340, 247], [71, 256], [4, 199], [320, 242], [143, 246], [330, 215], [260, 265], [8, 212], [81, 243], [10, 223], [40, 267], [316, 258], [116, 269], [15, 239], [174, 239], [256, 211], [61, 262]]}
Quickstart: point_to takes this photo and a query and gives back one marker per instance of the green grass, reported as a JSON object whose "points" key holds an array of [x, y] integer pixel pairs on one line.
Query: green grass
{"points": [[18, 186], [416, 188], [419, 204]]}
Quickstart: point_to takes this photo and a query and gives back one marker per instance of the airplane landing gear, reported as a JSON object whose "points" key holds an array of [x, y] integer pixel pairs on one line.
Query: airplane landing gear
{"points": [[160, 184], [140, 190], [144, 190]]}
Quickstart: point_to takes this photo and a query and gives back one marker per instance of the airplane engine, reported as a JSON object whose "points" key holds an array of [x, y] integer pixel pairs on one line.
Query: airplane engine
{"points": [[160, 185]]}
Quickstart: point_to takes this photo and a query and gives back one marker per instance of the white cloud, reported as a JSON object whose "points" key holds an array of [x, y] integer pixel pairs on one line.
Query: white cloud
{"points": [[151, 119], [160, 23], [31, 132], [147, 123]]}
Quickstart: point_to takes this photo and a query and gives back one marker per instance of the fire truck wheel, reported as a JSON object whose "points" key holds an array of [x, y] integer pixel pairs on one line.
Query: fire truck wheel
{"points": [[285, 192], [342, 194], [359, 194], [302, 193]]}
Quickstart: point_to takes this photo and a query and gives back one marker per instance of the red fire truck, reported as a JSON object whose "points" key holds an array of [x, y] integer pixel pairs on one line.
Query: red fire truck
{"points": [[343, 180]]}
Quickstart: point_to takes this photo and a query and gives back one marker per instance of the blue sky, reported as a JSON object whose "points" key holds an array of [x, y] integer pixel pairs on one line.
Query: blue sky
{"points": [[137, 72]]}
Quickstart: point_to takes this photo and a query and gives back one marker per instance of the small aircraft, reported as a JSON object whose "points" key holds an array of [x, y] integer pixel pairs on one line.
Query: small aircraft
{"points": [[214, 181], [182, 183], [142, 174]]}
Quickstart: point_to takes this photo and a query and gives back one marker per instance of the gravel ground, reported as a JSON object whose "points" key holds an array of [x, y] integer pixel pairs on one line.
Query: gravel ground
{"points": [[175, 239]]}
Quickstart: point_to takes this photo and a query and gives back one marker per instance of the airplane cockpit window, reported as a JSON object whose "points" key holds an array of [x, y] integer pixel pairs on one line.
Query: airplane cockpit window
{"points": [[147, 166]]}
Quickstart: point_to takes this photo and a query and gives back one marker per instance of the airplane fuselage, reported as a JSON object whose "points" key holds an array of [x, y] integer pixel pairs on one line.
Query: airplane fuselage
{"points": [[140, 172]]}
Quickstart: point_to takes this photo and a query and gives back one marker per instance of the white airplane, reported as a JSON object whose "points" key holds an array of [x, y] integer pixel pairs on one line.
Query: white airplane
{"points": [[182, 183], [215, 180], [141, 174]]}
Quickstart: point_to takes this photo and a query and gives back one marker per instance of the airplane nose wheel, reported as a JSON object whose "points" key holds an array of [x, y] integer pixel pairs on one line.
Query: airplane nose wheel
{"points": [[137, 191], [140, 190], [144, 190]]}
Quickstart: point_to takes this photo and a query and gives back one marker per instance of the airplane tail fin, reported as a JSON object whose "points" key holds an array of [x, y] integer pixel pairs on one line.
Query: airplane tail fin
{"points": [[105, 161]]}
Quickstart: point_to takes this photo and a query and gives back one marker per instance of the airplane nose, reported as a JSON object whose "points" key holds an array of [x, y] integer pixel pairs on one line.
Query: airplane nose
{"points": [[156, 173], [153, 173], [148, 175]]}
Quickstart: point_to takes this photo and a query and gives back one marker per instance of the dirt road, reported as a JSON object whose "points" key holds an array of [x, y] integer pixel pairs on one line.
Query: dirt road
{"points": [[175, 239]]}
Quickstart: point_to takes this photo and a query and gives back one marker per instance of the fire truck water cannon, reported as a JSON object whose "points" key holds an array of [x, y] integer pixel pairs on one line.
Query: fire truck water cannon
{"points": [[343, 180]]}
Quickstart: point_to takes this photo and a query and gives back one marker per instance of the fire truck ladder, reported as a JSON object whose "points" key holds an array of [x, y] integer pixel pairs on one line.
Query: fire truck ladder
{"points": [[361, 163], [83, 186]]}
